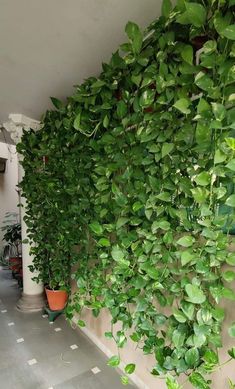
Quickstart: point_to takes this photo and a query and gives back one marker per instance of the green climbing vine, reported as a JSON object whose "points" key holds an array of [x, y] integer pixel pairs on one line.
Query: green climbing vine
{"points": [[137, 170]]}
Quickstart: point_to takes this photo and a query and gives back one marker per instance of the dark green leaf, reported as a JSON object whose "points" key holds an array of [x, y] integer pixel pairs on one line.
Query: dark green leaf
{"points": [[121, 109], [57, 103]]}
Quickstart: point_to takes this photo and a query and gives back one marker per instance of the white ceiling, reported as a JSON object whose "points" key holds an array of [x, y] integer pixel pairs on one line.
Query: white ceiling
{"points": [[47, 46]]}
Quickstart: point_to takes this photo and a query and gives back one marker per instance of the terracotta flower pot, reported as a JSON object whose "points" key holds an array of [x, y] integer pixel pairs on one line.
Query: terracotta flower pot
{"points": [[57, 299]]}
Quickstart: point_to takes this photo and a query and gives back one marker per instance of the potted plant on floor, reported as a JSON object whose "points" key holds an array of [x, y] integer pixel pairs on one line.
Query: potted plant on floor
{"points": [[12, 238], [53, 270]]}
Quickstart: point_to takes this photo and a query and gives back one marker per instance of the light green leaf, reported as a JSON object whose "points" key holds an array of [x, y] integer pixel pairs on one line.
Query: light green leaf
{"points": [[147, 98], [209, 47], [230, 201], [200, 194], [228, 293], [121, 109], [178, 338], [106, 121], [98, 84], [231, 143], [164, 196], [135, 36], [230, 259], [171, 383], [166, 8], [186, 241], [114, 361], [121, 222], [188, 309], [218, 314], [211, 357], [179, 316], [182, 105], [81, 323], [117, 253], [221, 23], [195, 294], [203, 81], [228, 275], [167, 148], [195, 13], [231, 165], [229, 32], [96, 228], [137, 206], [219, 111], [76, 122], [187, 54], [130, 368], [186, 257], [231, 330], [104, 242], [192, 358], [219, 156], [202, 179], [124, 380], [164, 225], [152, 272], [198, 381]]}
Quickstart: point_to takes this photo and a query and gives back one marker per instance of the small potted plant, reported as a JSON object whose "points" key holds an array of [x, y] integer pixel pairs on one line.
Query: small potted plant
{"points": [[12, 237], [53, 268]]}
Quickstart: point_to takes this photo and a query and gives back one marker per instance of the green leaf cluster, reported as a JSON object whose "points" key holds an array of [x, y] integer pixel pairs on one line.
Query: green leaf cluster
{"points": [[132, 181]]}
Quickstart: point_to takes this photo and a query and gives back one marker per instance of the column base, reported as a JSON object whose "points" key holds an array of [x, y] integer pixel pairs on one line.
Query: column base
{"points": [[31, 303]]}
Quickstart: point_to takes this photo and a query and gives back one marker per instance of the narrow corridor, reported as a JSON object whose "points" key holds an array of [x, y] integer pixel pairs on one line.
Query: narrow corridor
{"points": [[35, 354]]}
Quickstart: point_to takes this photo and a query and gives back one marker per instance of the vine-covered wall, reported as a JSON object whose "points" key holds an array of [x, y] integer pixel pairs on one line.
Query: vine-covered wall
{"points": [[137, 168]]}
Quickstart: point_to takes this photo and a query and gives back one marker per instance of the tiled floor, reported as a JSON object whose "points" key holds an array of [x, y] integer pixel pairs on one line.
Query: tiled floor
{"points": [[33, 355]]}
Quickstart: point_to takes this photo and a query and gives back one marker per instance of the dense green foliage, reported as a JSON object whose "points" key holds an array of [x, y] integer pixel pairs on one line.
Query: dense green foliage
{"points": [[137, 168]]}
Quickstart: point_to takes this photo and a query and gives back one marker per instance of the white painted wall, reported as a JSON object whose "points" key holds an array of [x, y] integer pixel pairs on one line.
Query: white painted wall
{"points": [[8, 182]]}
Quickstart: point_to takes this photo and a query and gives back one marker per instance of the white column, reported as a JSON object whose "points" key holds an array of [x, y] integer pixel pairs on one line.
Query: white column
{"points": [[32, 298]]}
